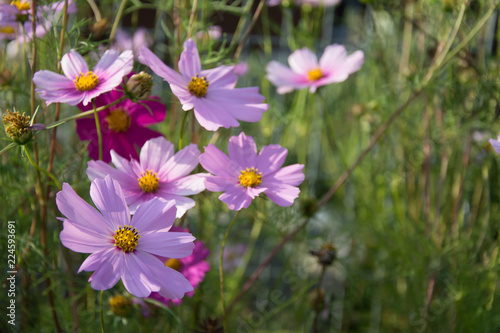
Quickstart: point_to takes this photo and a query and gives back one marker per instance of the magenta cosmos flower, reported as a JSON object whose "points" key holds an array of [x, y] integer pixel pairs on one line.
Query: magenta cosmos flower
{"points": [[122, 125], [193, 268], [244, 175], [305, 71], [124, 248], [79, 84], [158, 173], [210, 92]]}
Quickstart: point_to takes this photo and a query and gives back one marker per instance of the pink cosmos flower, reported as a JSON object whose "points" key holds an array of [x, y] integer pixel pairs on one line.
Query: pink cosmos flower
{"points": [[158, 173], [124, 248], [334, 66], [211, 92], [79, 84], [122, 125], [193, 268], [124, 41], [244, 175]]}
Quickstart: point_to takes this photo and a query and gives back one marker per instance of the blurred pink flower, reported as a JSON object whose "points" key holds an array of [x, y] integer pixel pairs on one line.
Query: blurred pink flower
{"points": [[495, 144], [334, 66], [124, 248], [211, 92], [193, 268], [212, 32], [122, 125], [158, 173], [244, 175], [241, 68], [124, 41], [78, 84]]}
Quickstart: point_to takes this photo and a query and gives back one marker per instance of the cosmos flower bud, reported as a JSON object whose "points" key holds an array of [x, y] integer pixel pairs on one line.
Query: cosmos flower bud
{"points": [[18, 127], [326, 254], [139, 86]]}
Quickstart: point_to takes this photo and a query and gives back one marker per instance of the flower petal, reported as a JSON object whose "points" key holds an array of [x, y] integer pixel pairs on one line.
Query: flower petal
{"points": [[291, 175], [302, 61], [179, 165], [154, 215], [108, 197], [189, 63], [148, 58], [167, 244], [271, 158], [109, 272], [236, 198], [73, 64], [155, 154], [282, 194], [81, 240], [243, 150], [220, 77], [217, 163], [137, 277]]}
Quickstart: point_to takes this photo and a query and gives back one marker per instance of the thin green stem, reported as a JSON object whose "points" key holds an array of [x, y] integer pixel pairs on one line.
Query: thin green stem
{"points": [[221, 271], [54, 179], [183, 123], [191, 18], [84, 114], [102, 311], [117, 20], [98, 128]]}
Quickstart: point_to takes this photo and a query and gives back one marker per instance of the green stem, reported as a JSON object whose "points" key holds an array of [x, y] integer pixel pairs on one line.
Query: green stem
{"points": [[102, 312], [182, 129], [191, 18], [84, 114], [54, 179], [117, 20], [98, 128], [221, 271]]}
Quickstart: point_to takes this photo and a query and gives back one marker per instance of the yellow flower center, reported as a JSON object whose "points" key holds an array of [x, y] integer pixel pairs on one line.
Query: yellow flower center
{"points": [[21, 5], [118, 120], [126, 238], [148, 181], [315, 74], [7, 29], [174, 264], [198, 86], [88, 81], [250, 177]]}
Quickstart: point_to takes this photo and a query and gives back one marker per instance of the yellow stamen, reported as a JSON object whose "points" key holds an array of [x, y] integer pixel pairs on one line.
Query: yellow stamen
{"points": [[315, 74], [7, 29], [118, 120], [148, 181], [88, 81], [250, 177], [198, 86], [174, 264], [126, 238], [21, 5]]}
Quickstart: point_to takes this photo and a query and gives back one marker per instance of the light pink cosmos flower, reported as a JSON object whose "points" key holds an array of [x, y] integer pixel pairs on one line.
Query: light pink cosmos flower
{"points": [[159, 173], [210, 92], [334, 66], [79, 84], [124, 41], [124, 248], [244, 175], [193, 268]]}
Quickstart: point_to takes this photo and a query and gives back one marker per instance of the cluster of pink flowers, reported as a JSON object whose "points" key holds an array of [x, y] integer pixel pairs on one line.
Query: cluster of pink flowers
{"points": [[150, 256]]}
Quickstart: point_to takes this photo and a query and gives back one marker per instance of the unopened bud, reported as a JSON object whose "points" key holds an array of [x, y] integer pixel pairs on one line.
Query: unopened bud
{"points": [[139, 86], [326, 254], [18, 128]]}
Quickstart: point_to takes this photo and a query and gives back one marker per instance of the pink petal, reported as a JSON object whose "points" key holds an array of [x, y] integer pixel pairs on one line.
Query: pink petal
{"points": [[189, 63], [173, 284], [137, 277], [153, 215], [73, 64], [80, 212], [148, 58], [155, 153], [212, 115], [182, 204], [189, 185], [283, 77], [333, 55], [220, 184], [271, 158], [167, 244], [302, 61], [241, 103], [108, 197], [81, 240], [94, 261], [343, 69], [181, 164], [291, 175], [216, 162], [109, 272], [282, 194], [236, 198], [495, 144], [220, 77], [243, 150]]}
